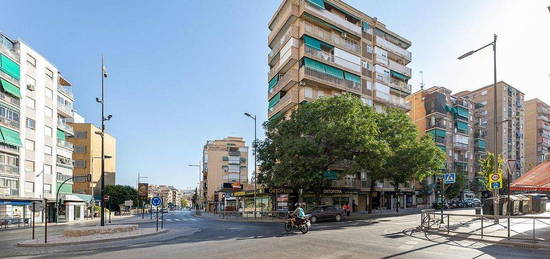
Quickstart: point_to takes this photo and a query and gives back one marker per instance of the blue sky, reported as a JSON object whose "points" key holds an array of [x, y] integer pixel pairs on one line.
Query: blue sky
{"points": [[183, 72]]}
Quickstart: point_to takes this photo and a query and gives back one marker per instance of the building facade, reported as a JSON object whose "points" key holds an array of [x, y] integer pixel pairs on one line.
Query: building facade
{"points": [[87, 158], [510, 118], [449, 121], [225, 163], [537, 132], [36, 105]]}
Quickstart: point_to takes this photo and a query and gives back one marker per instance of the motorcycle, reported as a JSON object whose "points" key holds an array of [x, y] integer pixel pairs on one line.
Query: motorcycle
{"points": [[290, 225]]}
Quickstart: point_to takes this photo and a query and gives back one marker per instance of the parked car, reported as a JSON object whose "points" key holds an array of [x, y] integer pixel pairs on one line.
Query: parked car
{"points": [[326, 212]]}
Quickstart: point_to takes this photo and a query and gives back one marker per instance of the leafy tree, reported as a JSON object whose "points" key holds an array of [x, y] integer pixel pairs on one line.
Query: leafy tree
{"points": [[118, 194], [453, 190], [184, 203], [323, 135], [487, 166], [411, 157]]}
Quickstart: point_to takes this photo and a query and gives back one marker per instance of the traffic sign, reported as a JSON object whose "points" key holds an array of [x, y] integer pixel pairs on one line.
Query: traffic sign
{"points": [[156, 201], [495, 185], [449, 178], [495, 181]]}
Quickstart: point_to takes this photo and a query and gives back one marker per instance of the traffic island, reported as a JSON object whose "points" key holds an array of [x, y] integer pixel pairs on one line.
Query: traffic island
{"points": [[94, 234]]}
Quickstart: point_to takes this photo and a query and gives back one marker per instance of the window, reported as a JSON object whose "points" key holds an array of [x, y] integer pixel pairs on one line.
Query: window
{"points": [[80, 149], [47, 131], [49, 93], [31, 123], [80, 134], [48, 150], [31, 83], [80, 163], [9, 114], [47, 188], [31, 60], [234, 168], [29, 144], [320, 93], [29, 186], [48, 112], [49, 73], [484, 93], [308, 92], [30, 102], [29, 166], [47, 169]]}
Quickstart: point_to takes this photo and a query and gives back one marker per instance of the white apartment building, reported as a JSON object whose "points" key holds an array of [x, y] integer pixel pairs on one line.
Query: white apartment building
{"points": [[35, 122]]}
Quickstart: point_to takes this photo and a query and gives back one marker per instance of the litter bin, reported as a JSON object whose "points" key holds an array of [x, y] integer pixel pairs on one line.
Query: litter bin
{"points": [[478, 210]]}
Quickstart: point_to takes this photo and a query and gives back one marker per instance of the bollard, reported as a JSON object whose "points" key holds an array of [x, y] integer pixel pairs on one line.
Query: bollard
{"points": [[481, 226], [448, 224], [157, 219], [33, 218], [46, 221]]}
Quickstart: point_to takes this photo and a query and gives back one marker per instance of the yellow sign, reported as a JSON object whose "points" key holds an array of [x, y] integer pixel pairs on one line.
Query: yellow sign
{"points": [[237, 194], [495, 181]]}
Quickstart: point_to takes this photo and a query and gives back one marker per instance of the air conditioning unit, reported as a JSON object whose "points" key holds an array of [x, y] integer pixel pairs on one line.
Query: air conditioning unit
{"points": [[31, 87]]}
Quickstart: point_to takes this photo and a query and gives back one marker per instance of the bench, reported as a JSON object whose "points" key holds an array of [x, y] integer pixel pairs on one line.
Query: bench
{"points": [[13, 221]]}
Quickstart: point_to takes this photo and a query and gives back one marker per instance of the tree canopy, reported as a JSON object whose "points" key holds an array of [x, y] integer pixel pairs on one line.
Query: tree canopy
{"points": [[118, 194]]}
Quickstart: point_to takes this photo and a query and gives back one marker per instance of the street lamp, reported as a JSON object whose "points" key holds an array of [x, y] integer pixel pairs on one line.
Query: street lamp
{"points": [[199, 194], [254, 144], [494, 44], [103, 119]]}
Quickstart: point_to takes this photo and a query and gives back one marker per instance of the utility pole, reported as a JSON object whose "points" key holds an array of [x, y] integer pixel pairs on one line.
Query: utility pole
{"points": [[254, 144], [102, 134]]}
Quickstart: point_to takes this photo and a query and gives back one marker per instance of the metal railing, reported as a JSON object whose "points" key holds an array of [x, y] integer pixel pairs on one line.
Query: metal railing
{"points": [[9, 78], [333, 59], [10, 123], [393, 48], [64, 144], [334, 80], [64, 126], [331, 37], [334, 18], [64, 108], [10, 99], [9, 170], [65, 90]]}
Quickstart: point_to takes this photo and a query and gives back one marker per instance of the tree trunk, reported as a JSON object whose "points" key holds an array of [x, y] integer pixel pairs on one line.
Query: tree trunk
{"points": [[397, 198], [371, 193]]}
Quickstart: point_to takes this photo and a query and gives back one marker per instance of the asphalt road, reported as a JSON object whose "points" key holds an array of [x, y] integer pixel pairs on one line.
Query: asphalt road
{"points": [[193, 237]]}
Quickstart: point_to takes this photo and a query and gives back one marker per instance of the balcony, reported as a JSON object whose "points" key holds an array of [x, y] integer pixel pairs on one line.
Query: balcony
{"points": [[327, 79], [400, 85], [5, 191], [288, 55], [460, 146], [437, 124], [332, 60], [9, 78], [399, 102], [331, 37], [65, 127], [291, 32], [65, 144], [400, 68], [10, 99], [9, 170], [65, 91], [289, 100], [349, 183], [9, 123], [64, 161], [288, 11], [333, 18], [393, 48], [65, 110], [12, 53], [285, 82]]}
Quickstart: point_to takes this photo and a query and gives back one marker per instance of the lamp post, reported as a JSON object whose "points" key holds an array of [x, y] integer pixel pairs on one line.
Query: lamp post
{"points": [[254, 144], [199, 198], [103, 119], [494, 44]]}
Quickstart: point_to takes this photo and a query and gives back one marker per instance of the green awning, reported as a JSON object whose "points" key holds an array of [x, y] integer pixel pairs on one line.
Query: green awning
{"points": [[10, 88], [481, 143], [274, 100], [9, 67], [276, 116], [352, 77], [312, 42], [315, 65], [399, 75], [463, 126], [318, 3], [463, 112], [437, 132], [60, 135], [10, 137], [65, 188], [330, 175], [273, 81], [366, 26], [335, 72]]}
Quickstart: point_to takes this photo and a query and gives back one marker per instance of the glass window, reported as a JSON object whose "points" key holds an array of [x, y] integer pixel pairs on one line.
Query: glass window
{"points": [[48, 111], [31, 83], [47, 188], [29, 166], [29, 144], [9, 114], [80, 163], [49, 93], [30, 103], [48, 150], [47, 169], [49, 73], [308, 92], [80, 134], [80, 149], [29, 186], [47, 131], [31, 60], [31, 123]]}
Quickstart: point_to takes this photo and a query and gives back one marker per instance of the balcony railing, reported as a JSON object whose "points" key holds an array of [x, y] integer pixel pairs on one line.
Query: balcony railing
{"points": [[9, 170], [340, 83], [10, 52], [9, 191], [10, 99], [291, 75], [393, 48], [333, 59], [65, 127], [355, 183], [65, 109], [331, 37], [66, 91], [437, 124], [64, 144], [277, 46], [9, 78], [64, 161], [400, 102], [333, 18], [288, 51], [10, 123], [400, 68], [461, 146]]}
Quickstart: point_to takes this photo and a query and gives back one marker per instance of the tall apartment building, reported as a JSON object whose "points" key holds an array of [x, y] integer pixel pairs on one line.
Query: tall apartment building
{"points": [[35, 154], [225, 161], [510, 119], [326, 47], [537, 132], [87, 158], [449, 120]]}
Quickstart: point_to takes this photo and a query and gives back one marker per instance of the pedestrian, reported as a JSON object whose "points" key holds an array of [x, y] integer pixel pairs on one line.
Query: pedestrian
{"points": [[346, 209], [354, 206]]}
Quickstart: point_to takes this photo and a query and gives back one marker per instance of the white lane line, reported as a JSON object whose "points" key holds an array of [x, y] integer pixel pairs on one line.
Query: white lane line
{"points": [[168, 219]]}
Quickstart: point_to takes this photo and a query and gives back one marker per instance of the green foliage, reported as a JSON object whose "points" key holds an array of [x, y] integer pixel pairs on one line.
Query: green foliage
{"points": [[488, 166], [453, 190], [118, 194], [184, 203]]}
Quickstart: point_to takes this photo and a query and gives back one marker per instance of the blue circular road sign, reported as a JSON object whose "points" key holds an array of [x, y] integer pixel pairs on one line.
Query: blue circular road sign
{"points": [[156, 201]]}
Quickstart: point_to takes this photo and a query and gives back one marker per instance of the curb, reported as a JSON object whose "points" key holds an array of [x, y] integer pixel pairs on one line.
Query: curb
{"points": [[90, 241], [498, 242]]}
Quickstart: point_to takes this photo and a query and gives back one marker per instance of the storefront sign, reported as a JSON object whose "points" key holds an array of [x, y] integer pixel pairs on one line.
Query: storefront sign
{"points": [[238, 194], [331, 191]]}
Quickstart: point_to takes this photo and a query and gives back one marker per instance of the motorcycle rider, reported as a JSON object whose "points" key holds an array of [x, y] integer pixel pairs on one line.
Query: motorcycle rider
{"points": [[299, 214]]}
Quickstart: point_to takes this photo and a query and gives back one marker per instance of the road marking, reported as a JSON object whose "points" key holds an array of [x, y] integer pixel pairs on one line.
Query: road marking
{"points": [[168, 219]]}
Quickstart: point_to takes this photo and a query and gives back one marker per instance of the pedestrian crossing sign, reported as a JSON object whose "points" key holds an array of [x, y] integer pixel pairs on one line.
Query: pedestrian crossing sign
{"points": [[449, 178]]}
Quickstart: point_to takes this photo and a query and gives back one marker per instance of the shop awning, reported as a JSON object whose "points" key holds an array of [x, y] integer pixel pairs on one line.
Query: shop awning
{"points": [[10, 137], [537, 179], [312, 42], [10, 88], [462, 125]]}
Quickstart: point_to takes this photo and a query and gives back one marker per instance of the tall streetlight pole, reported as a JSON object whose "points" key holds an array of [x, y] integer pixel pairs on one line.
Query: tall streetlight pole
{"points": [[254, 144], [199, 193], [103, 119], [494, 44]]}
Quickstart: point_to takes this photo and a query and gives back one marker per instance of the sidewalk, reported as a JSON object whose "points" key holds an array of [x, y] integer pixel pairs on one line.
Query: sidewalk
{"points": [[86, 221]]}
